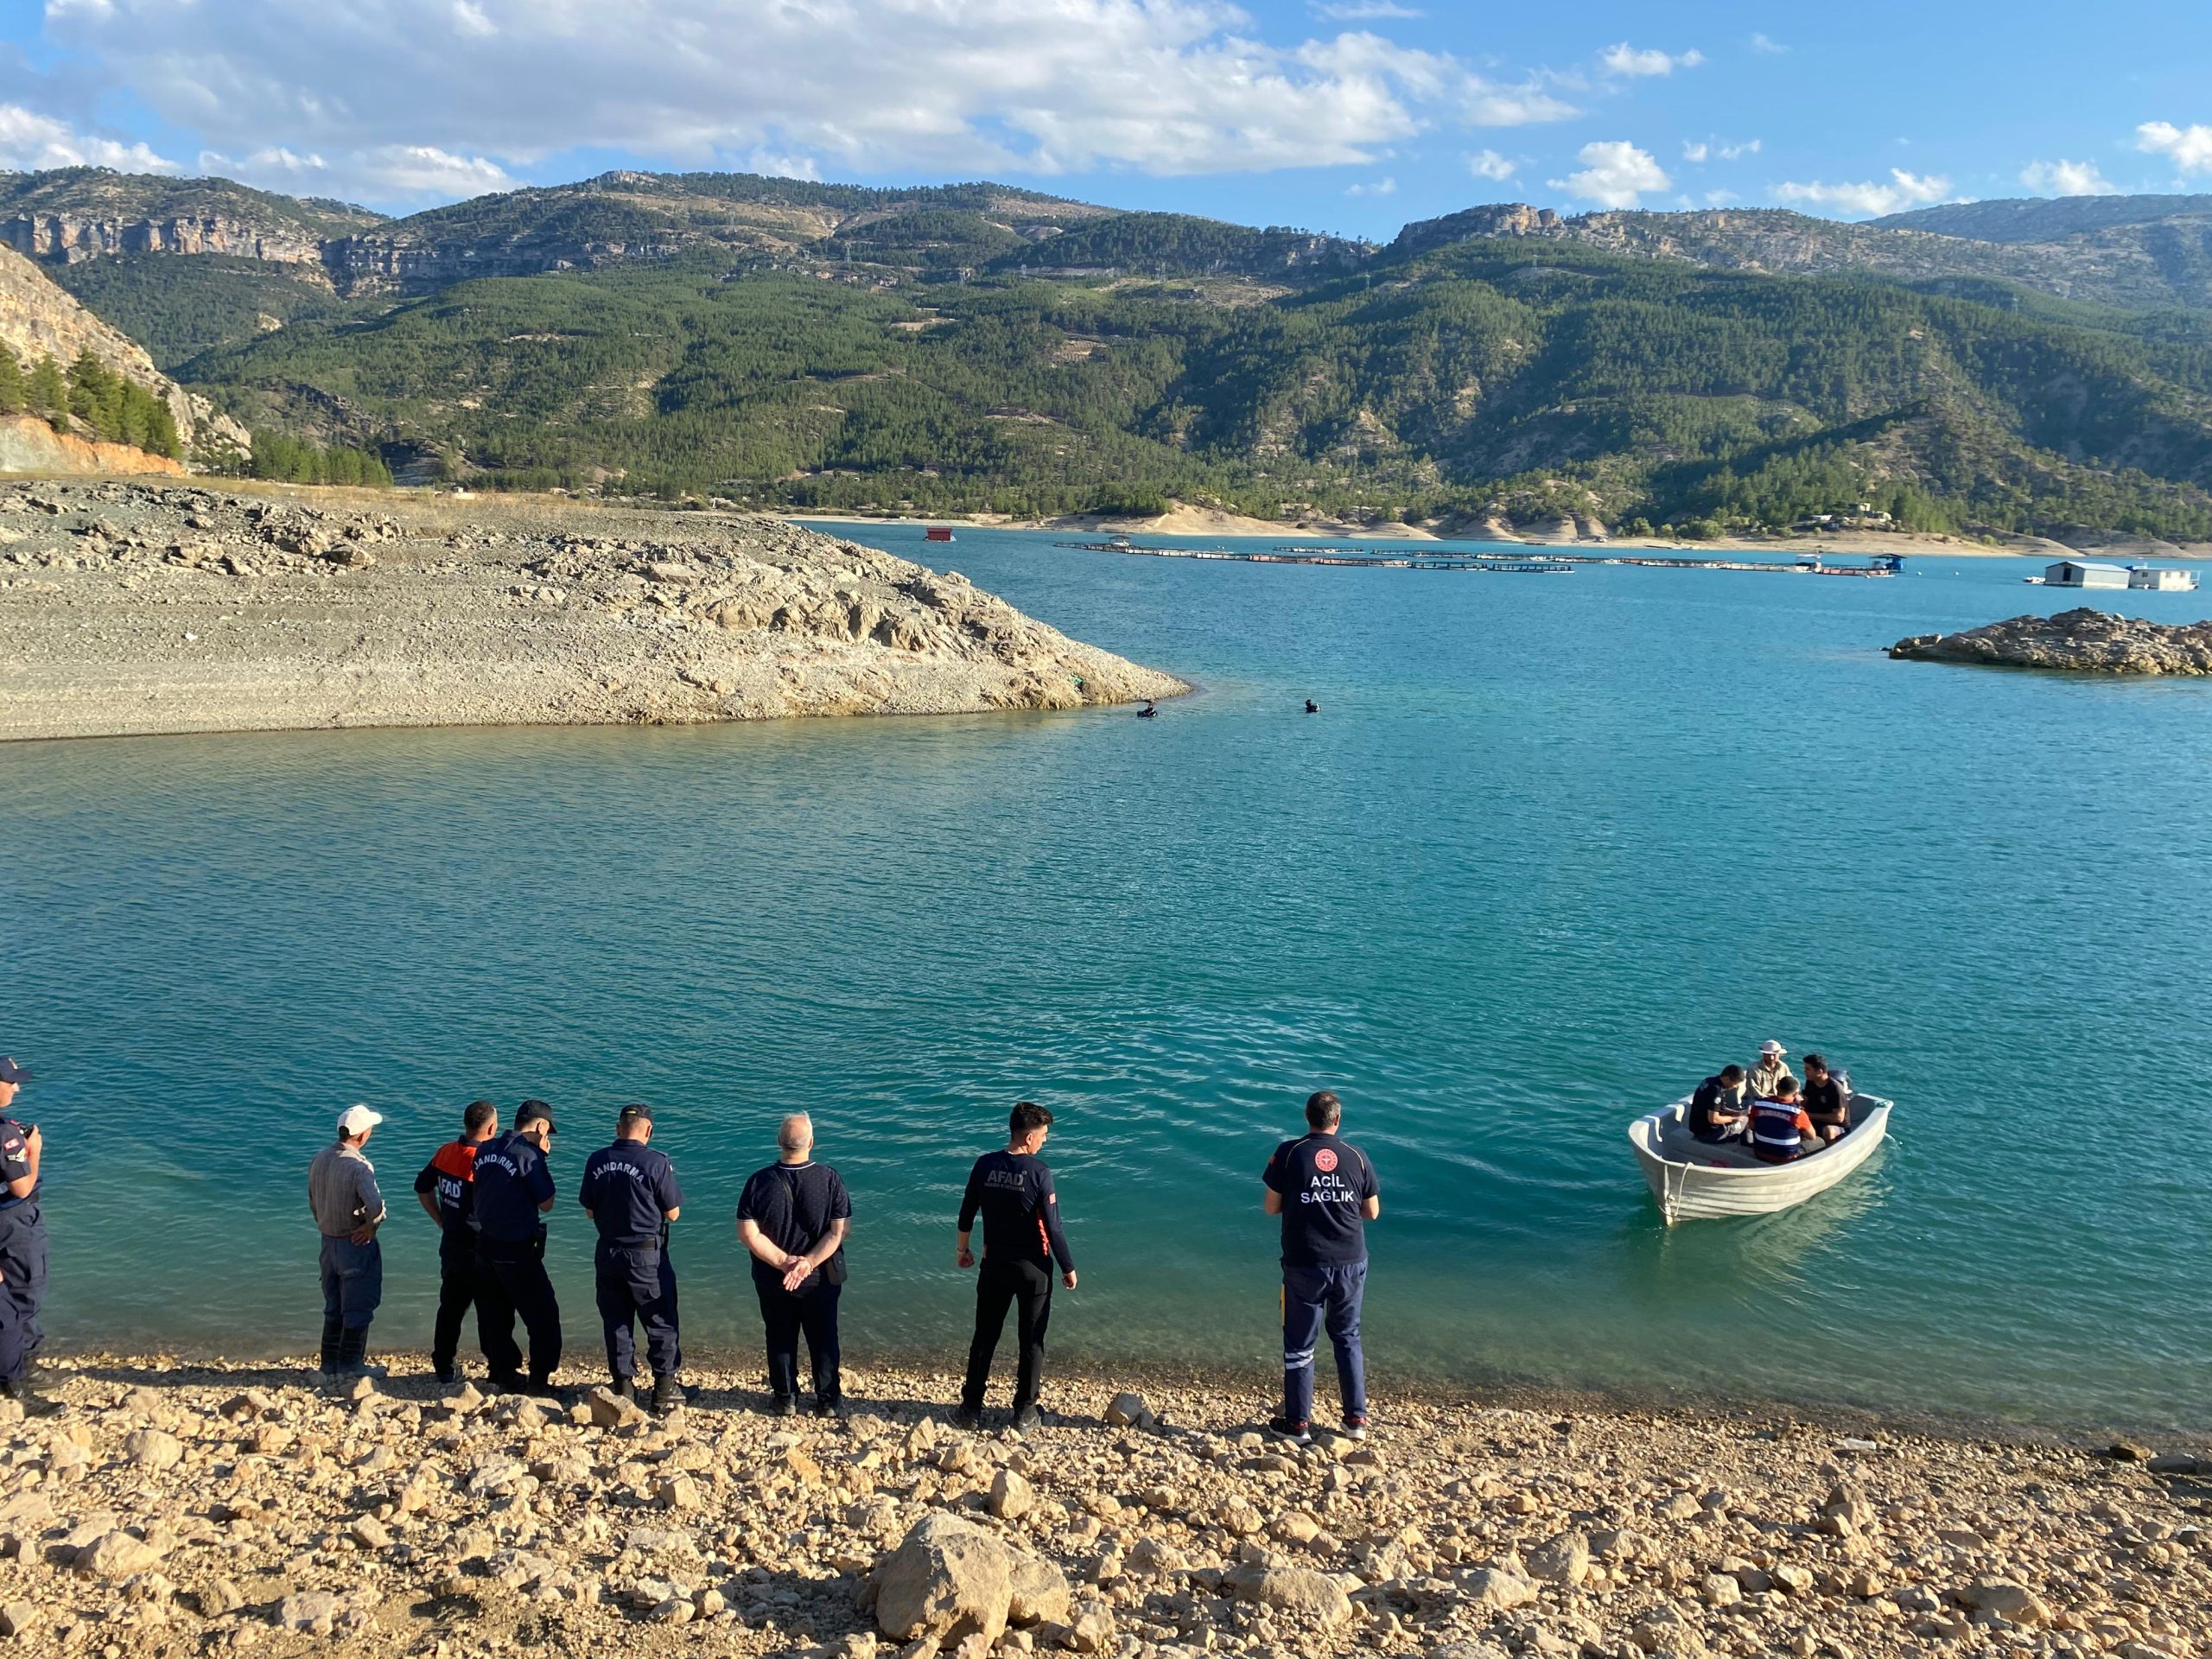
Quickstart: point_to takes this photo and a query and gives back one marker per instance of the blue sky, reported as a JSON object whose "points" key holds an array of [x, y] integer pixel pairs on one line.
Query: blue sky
{"points": [[1351, 116]]}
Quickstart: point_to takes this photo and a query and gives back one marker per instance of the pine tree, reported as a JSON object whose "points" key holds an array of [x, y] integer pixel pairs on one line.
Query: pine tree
{"points": [[13, 393], [50, 391]]}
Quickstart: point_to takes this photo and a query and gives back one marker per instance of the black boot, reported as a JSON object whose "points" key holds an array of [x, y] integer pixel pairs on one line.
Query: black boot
{"points": [[25, 1391], [333, 1334], [623, 1388], [668, 1393]]}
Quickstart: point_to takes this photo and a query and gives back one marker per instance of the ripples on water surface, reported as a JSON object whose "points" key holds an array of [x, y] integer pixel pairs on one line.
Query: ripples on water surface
{"points": [[1554, 847]]}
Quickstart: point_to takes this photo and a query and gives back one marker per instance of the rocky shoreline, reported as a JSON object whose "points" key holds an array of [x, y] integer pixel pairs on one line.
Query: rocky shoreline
{"points": [[172, 1509], [2083, 640], [158, 607]]}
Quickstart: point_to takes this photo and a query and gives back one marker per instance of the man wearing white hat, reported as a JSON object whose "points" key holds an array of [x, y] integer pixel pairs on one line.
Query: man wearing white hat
{"points": [[348, 1207], [1766, 1076]]}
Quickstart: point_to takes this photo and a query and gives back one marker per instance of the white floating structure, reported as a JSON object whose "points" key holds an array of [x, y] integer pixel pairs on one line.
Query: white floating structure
{"points": [[2073, 573], [1694, 1180], [2161, 579]]}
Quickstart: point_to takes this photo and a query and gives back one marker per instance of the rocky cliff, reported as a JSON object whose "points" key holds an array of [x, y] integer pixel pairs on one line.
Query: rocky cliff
{"points": [[2165, 263], [68, 238], [2086, 641], [38, 320], [28, 444]]}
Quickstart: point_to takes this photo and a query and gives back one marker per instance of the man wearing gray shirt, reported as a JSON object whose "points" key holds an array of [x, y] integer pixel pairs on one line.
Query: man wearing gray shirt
{"points": [[348, 1209]]}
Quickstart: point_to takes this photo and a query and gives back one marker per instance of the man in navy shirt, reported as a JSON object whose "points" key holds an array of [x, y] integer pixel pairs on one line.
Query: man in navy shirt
{"points": [[22, 1248], [794, 1217], [446, 1189], [514, 1187], [1325, 1192], [630, 1192], [1012, 1191]]}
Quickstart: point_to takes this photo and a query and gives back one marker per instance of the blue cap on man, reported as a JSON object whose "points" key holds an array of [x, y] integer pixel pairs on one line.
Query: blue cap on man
{"points": [[11, 1072]]}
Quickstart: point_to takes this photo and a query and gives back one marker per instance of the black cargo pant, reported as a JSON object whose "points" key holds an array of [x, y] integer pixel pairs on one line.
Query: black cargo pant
{"points": [[635, 1284], [813, 1309], [511, 1280], [1025, 1287], [459, 1273]]}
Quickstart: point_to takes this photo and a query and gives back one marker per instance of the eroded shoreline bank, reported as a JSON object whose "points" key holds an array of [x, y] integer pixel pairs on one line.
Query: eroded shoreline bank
{"points": [[133, 608], [171, 1508]]}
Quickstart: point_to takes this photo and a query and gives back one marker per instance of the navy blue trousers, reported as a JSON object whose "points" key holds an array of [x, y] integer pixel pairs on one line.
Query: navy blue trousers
{"points": [[353, 1282], [636, 1284], [1313, 1298]]}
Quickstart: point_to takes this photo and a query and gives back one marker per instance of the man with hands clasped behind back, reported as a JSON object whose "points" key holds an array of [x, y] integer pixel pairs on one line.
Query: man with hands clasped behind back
{"points": [[794, 1217]]}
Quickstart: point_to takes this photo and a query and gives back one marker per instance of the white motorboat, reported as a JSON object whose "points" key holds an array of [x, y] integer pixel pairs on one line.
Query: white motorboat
{"points": [[1694, 1180]]}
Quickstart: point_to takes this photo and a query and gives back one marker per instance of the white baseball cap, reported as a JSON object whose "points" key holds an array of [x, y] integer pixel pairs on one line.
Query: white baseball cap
{"points": [[354, 1119], [1770, 1048]]}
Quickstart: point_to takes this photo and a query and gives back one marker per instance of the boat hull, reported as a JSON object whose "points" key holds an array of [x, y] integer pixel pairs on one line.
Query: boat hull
{"points": [[1691, 1191]]}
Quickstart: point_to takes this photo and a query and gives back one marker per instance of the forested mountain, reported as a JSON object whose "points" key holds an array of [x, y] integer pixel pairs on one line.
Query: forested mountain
{"points": [[2042, 218], [973, 346]]}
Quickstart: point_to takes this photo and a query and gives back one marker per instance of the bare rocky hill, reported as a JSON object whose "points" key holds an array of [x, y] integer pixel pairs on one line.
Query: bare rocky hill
{"points": [[144, 608]]}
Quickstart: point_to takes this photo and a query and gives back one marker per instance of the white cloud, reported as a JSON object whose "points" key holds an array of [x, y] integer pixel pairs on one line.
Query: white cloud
{"points": [[1488, 164], [1696, 154], [1360, 11], [2067, 179], [1868, 199], [30, 140], [1720, 198], [432, 94], [1762, 44], [2190, 147], [1615, 174], [1714, 149], [1378, 188], [1631, 62], [1737, 152]]}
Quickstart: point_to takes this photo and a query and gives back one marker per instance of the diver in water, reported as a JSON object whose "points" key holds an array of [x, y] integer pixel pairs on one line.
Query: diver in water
{"points": [[1148, 712], [1312, 707]]}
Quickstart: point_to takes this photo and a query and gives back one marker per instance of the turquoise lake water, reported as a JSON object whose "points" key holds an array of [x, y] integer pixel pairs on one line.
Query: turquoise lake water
{"points": [[1555, 848]]}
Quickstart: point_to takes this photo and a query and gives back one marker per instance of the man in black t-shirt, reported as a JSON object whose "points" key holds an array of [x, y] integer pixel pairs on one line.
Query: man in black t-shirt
{"points": [[794, 1217], [1718, 1108], [1826, 1102], [1325, 1192], [630, 1192], [511, 1189], [1012, 1191]]}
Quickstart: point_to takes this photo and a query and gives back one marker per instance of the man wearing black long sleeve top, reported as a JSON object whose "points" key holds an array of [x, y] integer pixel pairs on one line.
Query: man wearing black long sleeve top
{"points": [[1022, 1240]]}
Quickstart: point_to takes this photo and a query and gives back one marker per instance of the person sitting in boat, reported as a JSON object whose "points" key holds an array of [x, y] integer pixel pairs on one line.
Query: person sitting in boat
{"points": [[1770, 1070], [1828, 1103], [1717, 1108], [1779, 1128]]}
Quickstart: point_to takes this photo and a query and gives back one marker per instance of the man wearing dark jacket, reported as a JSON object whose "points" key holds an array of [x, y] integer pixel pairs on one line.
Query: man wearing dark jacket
{"points": [[446, 1189], [514, 1188], [1012, 1191], [1325, 1192], [630, 1193]]}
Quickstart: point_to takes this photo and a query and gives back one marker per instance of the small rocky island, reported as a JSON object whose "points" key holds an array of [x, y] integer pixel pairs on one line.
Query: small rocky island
{"points": [[2084, 640], [172, 606]]}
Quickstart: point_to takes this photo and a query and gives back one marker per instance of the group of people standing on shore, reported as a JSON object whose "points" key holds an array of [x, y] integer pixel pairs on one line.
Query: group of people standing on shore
{"points": [[490, 1190], [1768, 1111]]}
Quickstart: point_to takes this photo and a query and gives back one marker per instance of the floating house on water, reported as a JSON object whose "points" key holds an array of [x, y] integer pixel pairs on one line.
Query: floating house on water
{"points": [[2162, 579], [2073, 573]]}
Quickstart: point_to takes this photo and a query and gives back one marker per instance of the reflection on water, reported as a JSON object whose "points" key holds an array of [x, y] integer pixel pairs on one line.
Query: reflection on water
{"points": [[1555, 848]]}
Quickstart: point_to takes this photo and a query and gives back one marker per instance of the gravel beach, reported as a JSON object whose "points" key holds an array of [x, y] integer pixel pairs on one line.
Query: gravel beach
{"points": [[175, 1508], [133, 608]]}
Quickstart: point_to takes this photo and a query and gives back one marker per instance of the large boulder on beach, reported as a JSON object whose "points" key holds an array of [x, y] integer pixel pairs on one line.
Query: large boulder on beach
{"points": [[949, 1579], [2083, 640], [1313, 1600]]}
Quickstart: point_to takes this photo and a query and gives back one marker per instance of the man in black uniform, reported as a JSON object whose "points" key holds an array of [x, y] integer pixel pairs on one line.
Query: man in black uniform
{"points": [[793, 1219], [630, 1192], [514, 1186], [445, 1189], [22, 1248], [1022, 1239], [1719, 1107], [1325, 1192]]}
